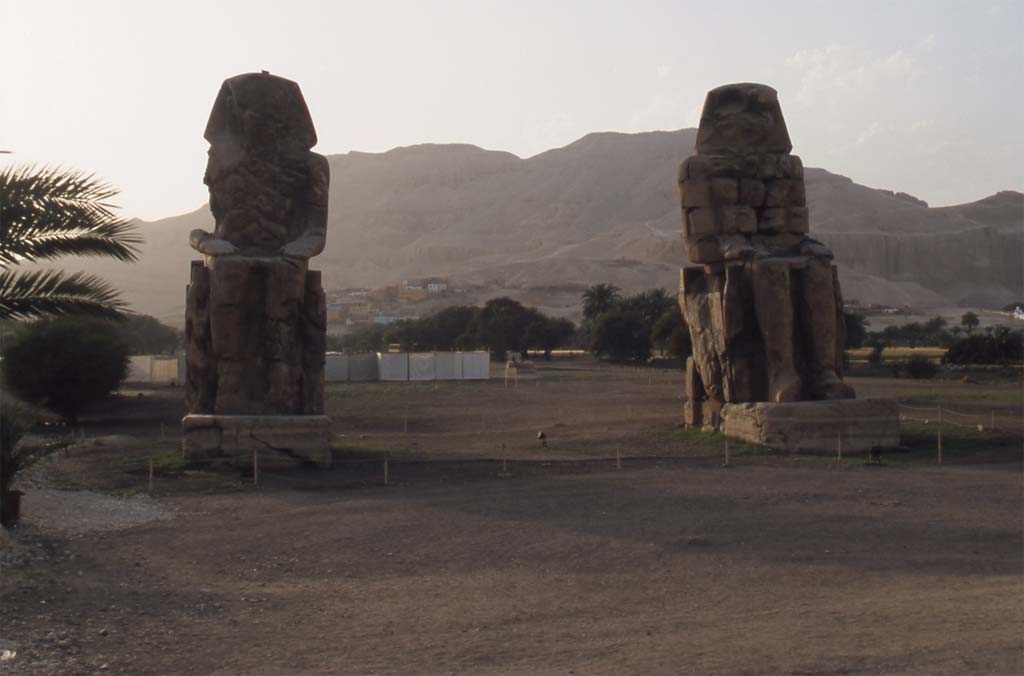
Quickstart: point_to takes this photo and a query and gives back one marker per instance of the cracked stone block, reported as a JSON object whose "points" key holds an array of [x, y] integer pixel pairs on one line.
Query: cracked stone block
{"points": [[798, 220], [712, 192], [751, 192], [816, 426], [282, 441], [702, 222], [791, 166]]}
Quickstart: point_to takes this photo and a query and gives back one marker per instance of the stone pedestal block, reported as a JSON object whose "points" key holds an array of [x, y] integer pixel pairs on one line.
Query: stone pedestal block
{"points": [[282, 440], [816, 426]]}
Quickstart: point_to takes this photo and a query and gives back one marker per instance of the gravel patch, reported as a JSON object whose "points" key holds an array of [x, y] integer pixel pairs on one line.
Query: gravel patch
{"points": [[75, 513]]}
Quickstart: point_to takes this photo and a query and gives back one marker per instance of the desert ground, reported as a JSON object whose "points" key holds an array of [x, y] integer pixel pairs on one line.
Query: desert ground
{"points": [[487, 553]]}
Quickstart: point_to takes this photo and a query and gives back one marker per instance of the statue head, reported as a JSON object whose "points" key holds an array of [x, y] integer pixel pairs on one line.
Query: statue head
{"points": [[268, 191], [260, 113], [742, 119]]}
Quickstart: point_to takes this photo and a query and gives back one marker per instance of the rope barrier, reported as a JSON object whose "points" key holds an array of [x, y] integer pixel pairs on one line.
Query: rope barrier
{"points": [[918, 408], [964, 415]]}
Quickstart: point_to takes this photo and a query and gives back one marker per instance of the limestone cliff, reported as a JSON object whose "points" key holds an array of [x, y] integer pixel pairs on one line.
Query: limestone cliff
{"points": [[604, 208]]}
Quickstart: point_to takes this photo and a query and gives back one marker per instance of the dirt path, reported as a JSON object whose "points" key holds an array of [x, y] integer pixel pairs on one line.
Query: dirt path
{"points": [[791, 568], [672, 565]]}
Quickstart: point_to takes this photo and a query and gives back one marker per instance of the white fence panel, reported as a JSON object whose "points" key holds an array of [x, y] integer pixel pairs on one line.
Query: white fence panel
{"points": [[448, 365], [164, 370], [476, 365], [362, 367], [421, 366], [336, 367], [393, 365]]}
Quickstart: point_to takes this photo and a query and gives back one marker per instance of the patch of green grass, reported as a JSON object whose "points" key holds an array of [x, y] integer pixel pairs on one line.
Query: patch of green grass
{"points": [[170, 462], [920, 443], [713, 443]]}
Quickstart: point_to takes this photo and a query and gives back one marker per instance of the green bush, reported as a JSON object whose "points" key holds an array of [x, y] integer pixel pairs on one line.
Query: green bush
{"points": [[147, 335], [621, 336], [875, 356], [65, 364], [921, 367], [997, 346]]}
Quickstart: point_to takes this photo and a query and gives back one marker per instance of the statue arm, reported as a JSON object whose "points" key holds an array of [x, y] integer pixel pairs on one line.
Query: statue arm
{"points": [[209, 244], [311, 242]]}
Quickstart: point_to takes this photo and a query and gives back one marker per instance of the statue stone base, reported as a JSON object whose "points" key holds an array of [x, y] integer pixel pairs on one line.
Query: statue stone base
{"points": [[282, 441], [860, 425], [255, 333]]}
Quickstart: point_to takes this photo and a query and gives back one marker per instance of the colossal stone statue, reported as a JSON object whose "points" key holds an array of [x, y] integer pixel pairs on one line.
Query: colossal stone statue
{"points": [[256, 317], [763, 306]]}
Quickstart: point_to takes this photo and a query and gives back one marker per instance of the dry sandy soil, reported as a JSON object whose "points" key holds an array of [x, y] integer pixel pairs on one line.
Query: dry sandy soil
{"points": [[671, 565]]}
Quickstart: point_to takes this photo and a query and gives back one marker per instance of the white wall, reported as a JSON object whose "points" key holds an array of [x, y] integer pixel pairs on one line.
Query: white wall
{"points": [[336, 367], [422, 366], [393, 365]]}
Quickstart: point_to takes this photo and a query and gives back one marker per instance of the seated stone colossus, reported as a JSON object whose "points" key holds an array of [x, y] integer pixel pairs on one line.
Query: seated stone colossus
{"points": [[256, 316], [763, 301]]}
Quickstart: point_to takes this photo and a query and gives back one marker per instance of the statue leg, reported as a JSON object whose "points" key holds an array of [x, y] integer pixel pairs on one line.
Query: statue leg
{"points": [[230, 287], [818, 300], [773, 305], [281, 343]]}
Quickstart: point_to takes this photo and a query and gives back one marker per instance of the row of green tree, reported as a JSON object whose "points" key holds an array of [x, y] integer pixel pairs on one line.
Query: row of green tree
{"points": [[630, 328], [965, 344], [502, 325], [615, 327]]}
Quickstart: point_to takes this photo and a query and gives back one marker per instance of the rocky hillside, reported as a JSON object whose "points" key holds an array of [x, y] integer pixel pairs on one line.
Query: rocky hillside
{"points": [[601, 209]]}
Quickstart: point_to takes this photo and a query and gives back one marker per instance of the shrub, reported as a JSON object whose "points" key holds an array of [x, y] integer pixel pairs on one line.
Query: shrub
{"points": [[547, 333], [65, 364], [875, 356], [671, 334], [1001, 346], [921, 367], [147, 335], [621, 336], [856, 329]]}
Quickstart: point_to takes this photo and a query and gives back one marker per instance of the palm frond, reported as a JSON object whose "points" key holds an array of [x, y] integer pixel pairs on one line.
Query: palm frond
{"points": [[27, 295], [51, 212]]}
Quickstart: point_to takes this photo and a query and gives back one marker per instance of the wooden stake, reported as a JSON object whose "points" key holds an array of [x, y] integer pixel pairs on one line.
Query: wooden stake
{"points": [[151, 476], [385, 471], [940, 445], [839, 447], [255, 467]]}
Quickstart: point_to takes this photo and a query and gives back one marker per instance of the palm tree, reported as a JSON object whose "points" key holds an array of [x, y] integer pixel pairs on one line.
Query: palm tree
{"points": [[600, 298], [46, 213], [650, 304]]}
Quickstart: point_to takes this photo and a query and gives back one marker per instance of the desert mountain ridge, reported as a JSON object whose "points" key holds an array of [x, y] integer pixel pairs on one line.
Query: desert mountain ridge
{"points": [[602, 209]]}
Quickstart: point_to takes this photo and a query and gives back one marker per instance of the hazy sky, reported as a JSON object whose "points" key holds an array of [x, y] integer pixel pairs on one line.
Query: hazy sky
{"points": [[924, 97]]}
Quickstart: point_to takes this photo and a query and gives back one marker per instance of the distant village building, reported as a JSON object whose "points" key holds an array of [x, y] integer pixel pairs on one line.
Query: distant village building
{"points": [[436, 285], [413, 290]]}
